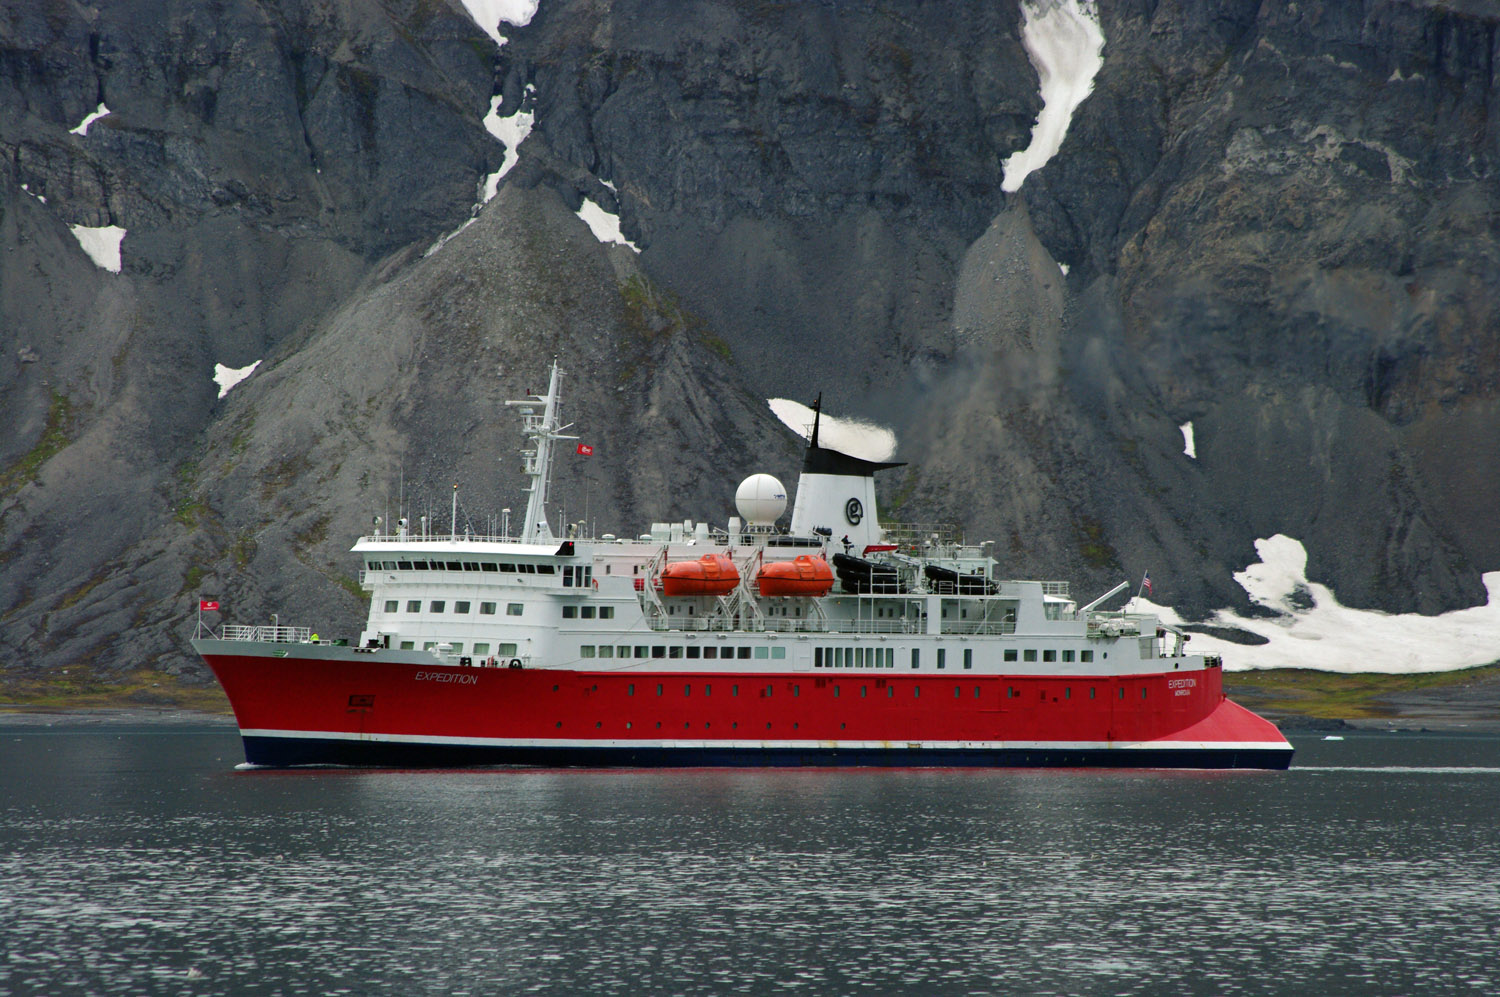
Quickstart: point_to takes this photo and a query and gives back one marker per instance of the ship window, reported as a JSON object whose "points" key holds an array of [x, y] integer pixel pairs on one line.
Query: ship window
{"points": [[916, 657], [658, 651], [744, 652], [403, 565], [687, 690], [570, 612], [392, 605], [1067, 655], [817, 657], [435, 606], [658, 688], [796, 690], [388, 565], [514, 608], [567, 576], [761, 652], [506, 650], [734, 690], [708, 690], [1028, 655], [916, 692], [428, 645], [487, 566], [586, 612], [1091, 692], [481, 648], [641, 650], [675, 651], [455, 566], [710, 652], [778, 653], [1143, 692], [968, 657], [606, 612], [693, 651], [471, 565], [546, 569], [606, 650], [835, 692], [526, 569], [957, 691], [419, 565], [1067, 692], [863, 691], [1085, 655], [486, 609], [586, 651], [1122, 692], [461, 607], [890, 692], [414, 605], [942, 661], [407, 645], [976, 692], [1010, 654], [1049, 655], [504, 567], [630, 689]]}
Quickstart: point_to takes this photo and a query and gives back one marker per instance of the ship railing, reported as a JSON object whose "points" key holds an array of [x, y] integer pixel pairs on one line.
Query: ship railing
{"points": [[912, 537], [710, 624], [993, 627], [1119, 624], [268, 634], [1057, 589]]}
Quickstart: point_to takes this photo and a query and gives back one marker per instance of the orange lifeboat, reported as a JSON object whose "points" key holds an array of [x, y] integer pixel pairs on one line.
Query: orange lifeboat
{"points": [[803, 575], [711, 574]]}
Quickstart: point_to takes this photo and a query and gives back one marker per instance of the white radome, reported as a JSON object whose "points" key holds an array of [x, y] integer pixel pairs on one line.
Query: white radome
{"points": [[760, 499]]}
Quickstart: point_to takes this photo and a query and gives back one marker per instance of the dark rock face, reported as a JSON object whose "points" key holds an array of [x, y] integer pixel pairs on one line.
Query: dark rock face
{"points": [[1277, 223]]}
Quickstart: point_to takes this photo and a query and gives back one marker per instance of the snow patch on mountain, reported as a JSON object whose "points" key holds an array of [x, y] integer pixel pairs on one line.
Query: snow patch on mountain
{"points": [[1066, 44], [1312, 630], [101, 243]]}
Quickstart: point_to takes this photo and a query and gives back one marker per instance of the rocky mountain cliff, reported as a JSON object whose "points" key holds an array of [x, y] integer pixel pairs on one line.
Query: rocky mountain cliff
{"points": [[1273, 221]]}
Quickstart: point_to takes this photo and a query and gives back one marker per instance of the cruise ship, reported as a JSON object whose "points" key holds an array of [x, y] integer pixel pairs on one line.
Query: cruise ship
{"points": [[836, 640]]}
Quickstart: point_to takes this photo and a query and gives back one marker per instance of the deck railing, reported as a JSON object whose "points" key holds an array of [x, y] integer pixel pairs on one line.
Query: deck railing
{"points": [[269, 634]]}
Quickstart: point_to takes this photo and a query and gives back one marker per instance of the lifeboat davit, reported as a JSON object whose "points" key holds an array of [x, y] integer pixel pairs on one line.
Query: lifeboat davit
{"points": [[803, 576], [711, 574]]}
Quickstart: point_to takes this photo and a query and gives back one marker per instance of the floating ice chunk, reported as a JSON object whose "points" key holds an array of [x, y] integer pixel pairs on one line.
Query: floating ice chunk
{"points": [[102, 244], [605, 226], [228, 377], [83, 126], [1065, 44], [851, 436], [490, 14], [1333, 737], [1188, 446], [1064, 268]]}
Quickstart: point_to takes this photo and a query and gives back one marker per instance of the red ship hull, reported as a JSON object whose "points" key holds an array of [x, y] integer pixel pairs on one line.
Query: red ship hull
{"points": [[347, 708]]}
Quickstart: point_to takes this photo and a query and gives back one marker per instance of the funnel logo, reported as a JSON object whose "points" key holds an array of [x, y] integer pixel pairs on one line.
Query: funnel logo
{"points": [[854, 511]]}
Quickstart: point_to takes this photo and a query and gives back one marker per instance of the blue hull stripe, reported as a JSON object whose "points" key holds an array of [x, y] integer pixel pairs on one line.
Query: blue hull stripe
{"points": [[280, 752]]}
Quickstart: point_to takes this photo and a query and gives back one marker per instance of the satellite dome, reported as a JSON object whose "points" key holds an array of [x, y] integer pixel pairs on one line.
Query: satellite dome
{"points": [[761, 499]]}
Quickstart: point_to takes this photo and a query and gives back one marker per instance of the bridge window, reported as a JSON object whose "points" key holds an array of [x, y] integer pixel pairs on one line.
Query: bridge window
{"points": [[414, 605], [403, 565], [471, 565], [455, 566], [487, 566], [392, 605], [419, 565], [486, 609], [514, 608], [461, 607], [435, 606], [507, 568]]}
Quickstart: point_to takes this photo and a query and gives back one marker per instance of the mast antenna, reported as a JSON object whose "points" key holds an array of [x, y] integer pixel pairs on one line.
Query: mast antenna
{"points": [[543, 428]]}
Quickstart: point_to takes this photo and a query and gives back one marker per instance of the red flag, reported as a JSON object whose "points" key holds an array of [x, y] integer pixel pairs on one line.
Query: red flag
{"points": [[208, 605], [585, 449]]}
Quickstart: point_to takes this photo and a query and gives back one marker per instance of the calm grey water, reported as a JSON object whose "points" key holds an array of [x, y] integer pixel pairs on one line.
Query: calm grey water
{"points": [[137, 860]]}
